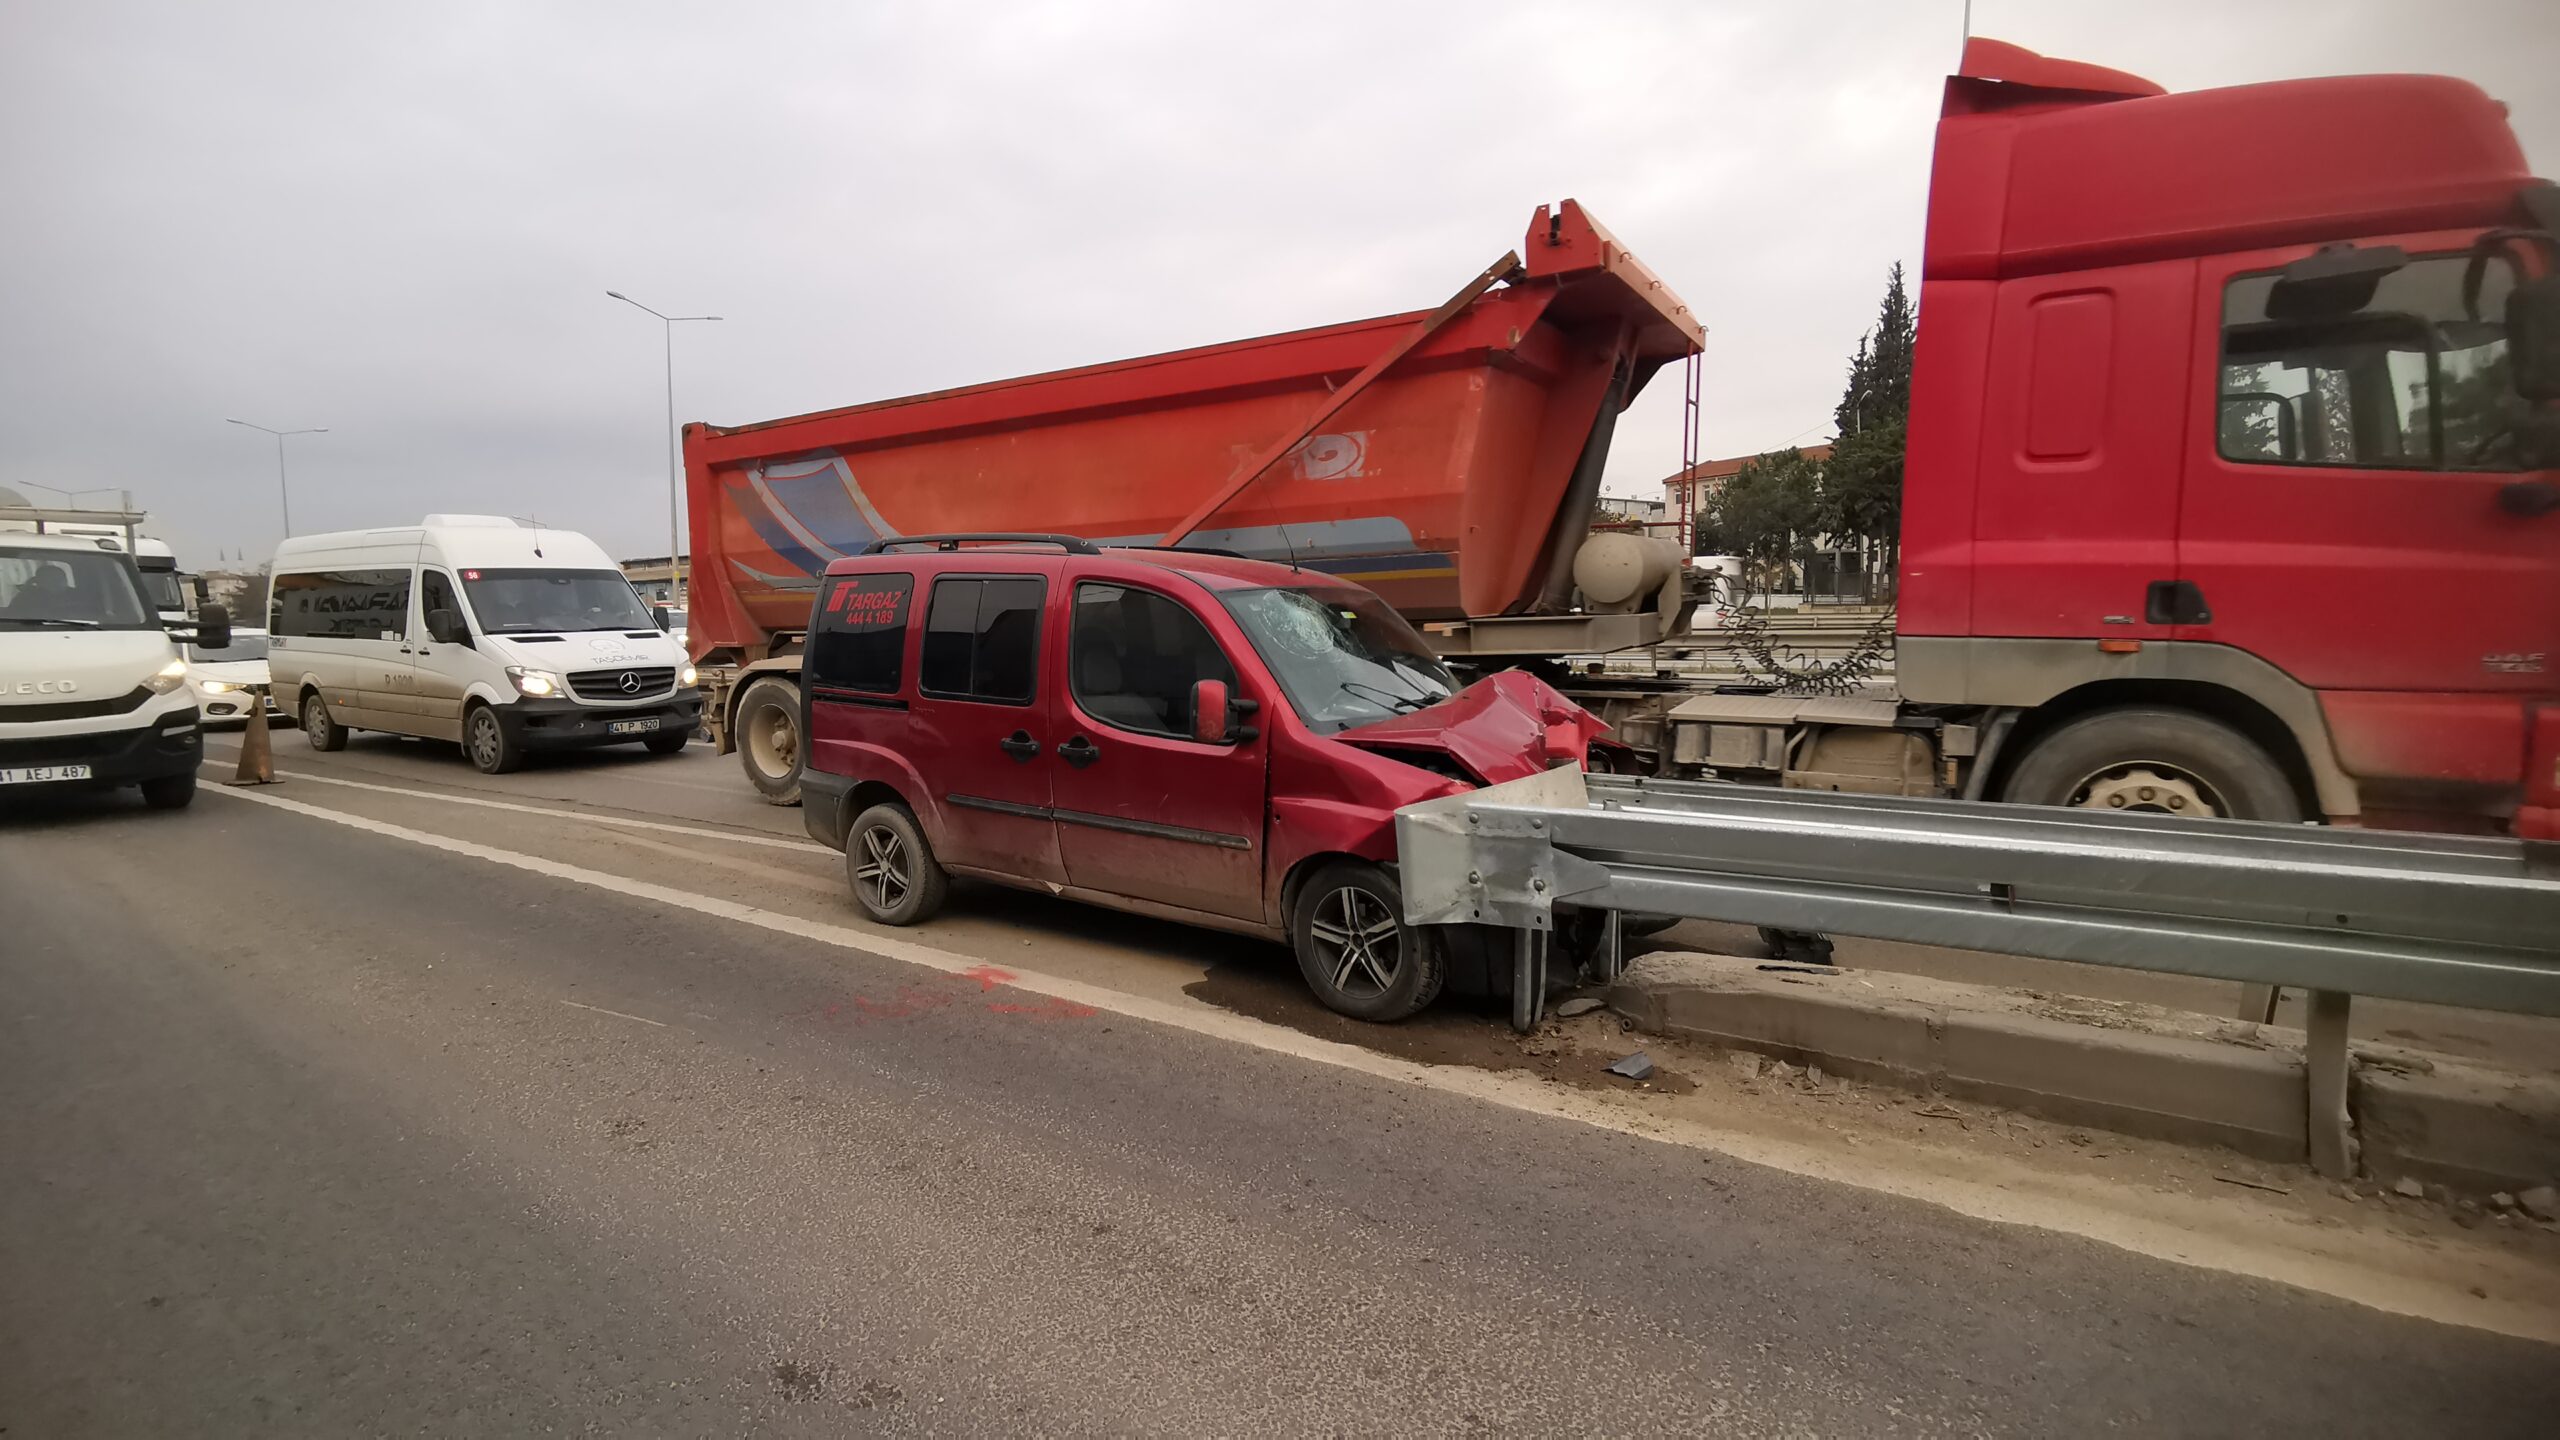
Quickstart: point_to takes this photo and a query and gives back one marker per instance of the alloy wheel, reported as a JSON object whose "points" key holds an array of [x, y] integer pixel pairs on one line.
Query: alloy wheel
{"points": [[1360, 940], [887, 871]]}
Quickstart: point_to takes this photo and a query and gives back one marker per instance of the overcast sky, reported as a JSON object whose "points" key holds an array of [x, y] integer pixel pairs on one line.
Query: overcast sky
{"points": [[400, 222]]}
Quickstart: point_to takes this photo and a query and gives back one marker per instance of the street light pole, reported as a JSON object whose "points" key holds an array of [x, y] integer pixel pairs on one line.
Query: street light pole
{"points": [[284, 493], [675, 472]]}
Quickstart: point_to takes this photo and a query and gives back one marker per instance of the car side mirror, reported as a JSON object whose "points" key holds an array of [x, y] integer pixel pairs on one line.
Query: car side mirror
{"points": [[1209, 718], [213, 627], [445, 627], [658, 617], [2533, 337]]}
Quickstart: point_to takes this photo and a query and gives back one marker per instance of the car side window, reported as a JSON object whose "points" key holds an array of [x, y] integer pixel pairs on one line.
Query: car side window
{"points": [[860, 639], [435, 592], [1134, 656], [340, 604], [982, 639]]}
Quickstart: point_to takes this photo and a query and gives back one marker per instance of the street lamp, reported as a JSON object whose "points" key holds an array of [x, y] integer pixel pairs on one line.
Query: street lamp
{"points": [[675, 474], [283, 495]]}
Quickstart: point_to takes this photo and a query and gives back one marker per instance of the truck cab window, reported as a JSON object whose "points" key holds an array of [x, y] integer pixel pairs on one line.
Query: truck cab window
{"points": [[1135, 656], [2412, 376]]}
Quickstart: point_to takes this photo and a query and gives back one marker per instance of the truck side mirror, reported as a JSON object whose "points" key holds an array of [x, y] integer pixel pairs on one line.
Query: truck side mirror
{"points": [[2533, 337], [445, 627], [658, 617], [213, 627], [1209, 719]]}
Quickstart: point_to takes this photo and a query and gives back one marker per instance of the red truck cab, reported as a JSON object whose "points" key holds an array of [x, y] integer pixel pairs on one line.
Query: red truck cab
{"points": [[1182, 734], [2228, 474]]}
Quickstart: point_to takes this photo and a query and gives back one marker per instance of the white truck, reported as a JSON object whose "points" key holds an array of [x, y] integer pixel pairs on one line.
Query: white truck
{"points": [[93, 683]]}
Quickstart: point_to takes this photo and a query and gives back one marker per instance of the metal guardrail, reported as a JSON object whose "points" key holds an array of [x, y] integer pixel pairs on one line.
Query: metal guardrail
{"points": [[2450, 920]]}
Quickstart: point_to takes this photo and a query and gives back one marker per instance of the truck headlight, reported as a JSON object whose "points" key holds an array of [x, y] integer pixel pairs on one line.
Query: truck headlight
{"points": [[685, 678], [537, 683], [169, 677], [216, 687]]}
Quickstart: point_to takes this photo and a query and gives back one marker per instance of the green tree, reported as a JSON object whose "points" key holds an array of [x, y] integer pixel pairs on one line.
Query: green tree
{"points": [[1861, 490], [1767, 512]]}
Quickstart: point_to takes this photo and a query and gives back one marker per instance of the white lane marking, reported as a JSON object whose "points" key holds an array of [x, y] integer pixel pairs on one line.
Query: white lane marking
{"points": [[774, 842], [616, 1014], [2204, 1235]]}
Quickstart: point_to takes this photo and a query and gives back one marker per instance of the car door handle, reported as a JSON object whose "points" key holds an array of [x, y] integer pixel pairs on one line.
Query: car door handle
{"points": [[1079, 752], [1020, 746]]}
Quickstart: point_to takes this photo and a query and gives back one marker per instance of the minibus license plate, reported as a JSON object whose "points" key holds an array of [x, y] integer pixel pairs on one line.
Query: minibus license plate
{"points": [[39, 774], [632, 727]]}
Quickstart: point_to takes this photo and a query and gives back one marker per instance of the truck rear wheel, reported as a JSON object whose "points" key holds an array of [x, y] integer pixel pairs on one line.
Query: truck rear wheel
{"points": [[768, 732], [2147, 758]]}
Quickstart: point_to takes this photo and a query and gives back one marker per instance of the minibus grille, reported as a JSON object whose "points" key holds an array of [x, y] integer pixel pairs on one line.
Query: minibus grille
{"points": [[632, 684]]}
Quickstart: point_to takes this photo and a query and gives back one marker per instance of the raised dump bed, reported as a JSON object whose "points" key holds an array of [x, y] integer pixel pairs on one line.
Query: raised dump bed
{"points": [[1457, 480]]}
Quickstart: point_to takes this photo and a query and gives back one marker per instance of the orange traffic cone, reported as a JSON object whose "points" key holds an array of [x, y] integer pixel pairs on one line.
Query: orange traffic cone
{"points": [[257, 755]]}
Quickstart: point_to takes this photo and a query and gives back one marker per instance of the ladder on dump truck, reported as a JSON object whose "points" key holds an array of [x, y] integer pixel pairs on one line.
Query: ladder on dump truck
{"points": [[2442, 919]]}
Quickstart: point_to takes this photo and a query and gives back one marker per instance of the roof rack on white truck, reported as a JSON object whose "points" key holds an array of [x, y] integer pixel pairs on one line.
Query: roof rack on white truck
{"points": [[2442, 919]]}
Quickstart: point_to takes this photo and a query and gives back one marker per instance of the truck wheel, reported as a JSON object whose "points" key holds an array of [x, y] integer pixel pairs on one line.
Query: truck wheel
{"points": [[170, 792], [896, 880], [1353, 946], [769, 739], [486, 742], [2146, 758], [323, 732]]}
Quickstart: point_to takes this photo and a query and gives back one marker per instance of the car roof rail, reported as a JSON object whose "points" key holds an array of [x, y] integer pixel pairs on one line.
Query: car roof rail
{"points": [[1186, 550], [1073, 545]]}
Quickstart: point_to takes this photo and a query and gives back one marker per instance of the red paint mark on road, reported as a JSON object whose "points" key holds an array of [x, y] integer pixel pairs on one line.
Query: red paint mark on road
{"points": [[910, 1002]]}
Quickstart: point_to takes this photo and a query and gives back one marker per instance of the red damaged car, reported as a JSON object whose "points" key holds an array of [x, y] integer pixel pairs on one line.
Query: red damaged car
{"points": [[1173, 732]]}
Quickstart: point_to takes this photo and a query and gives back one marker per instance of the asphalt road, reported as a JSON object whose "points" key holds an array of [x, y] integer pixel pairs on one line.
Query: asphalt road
{"points": [[315, 1128]]}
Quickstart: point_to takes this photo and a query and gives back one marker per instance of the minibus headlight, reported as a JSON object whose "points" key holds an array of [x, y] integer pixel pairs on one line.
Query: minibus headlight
{"points": [[537, 683], [685, 678], [169, 677]]}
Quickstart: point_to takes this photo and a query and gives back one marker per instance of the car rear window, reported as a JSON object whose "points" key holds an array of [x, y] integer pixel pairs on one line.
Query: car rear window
{"points": [[860, 639]]}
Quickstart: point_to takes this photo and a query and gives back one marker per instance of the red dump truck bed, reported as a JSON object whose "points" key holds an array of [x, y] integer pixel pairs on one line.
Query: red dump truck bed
{"points": [[1455, 482]]}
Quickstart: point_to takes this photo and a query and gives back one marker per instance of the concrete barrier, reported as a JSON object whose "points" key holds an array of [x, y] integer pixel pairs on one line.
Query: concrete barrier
{"points": [[2458, 1125], [2134, 1069]]}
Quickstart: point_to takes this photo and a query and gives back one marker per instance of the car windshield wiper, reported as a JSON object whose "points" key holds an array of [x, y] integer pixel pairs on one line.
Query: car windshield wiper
{"points": [[1399, 704], [40, 621]]}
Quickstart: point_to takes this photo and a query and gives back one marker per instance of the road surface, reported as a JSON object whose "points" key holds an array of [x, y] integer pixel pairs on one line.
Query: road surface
{"points": [[336, 1110]]}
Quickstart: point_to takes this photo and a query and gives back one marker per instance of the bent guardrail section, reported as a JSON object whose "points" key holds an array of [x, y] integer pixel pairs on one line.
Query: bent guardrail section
{"points": [[2449, 920]]}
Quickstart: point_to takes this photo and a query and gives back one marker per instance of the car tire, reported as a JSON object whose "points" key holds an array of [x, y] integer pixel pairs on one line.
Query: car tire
{"points": [[318, 727], [170, 792], [891, 867], [486, 743], [1340, 919], [2147, 758], [667, 742], [769, 740]]}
